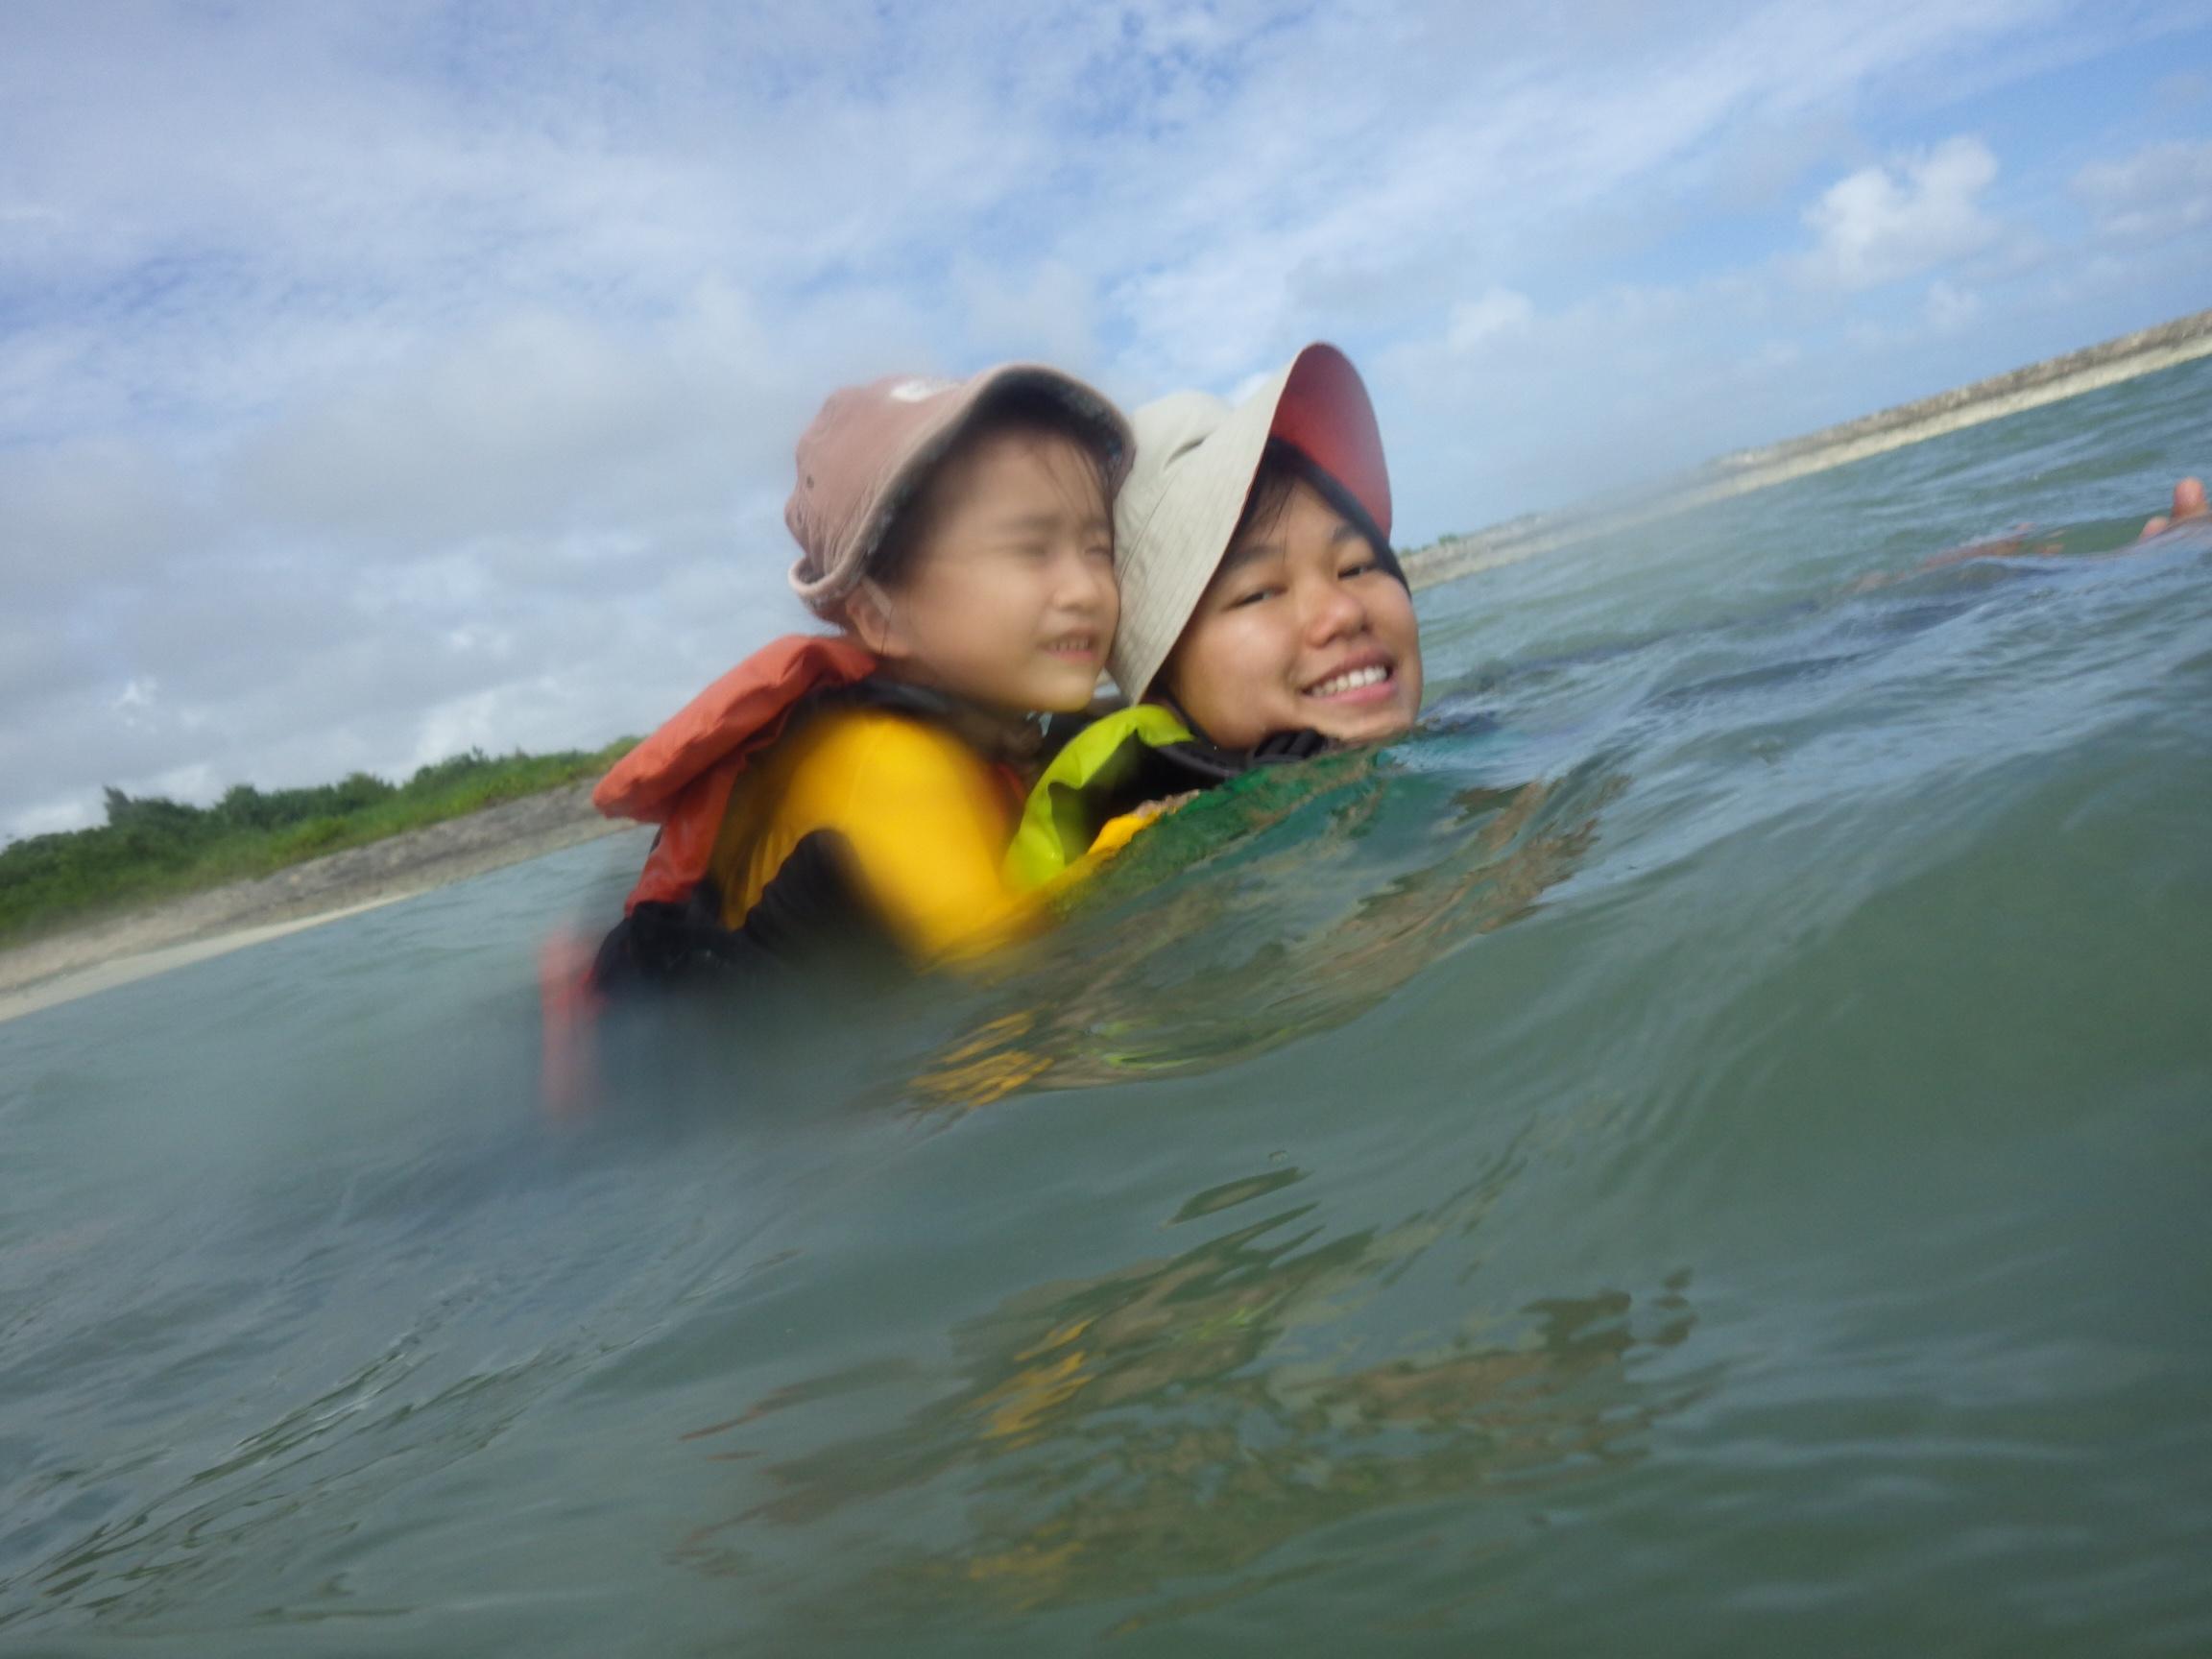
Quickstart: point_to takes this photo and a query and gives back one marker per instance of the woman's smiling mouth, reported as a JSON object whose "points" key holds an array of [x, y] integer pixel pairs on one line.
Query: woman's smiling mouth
{"points": [[1347, 683]]}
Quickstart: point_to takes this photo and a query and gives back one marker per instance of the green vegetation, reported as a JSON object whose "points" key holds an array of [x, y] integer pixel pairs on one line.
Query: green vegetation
{"points": [[152, 848]]}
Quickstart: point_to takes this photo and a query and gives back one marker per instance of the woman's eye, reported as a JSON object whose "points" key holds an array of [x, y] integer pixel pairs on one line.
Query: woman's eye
{"points": [[1103, 550], [1362, 569], [1252, 598]]}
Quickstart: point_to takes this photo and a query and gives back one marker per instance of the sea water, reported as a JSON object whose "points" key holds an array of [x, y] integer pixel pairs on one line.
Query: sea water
{"points": [[1705, 1148]]}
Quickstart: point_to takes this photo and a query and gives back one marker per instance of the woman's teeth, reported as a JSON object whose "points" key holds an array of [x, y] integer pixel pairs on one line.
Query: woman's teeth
{"points": [[1349, 681], [1074, 645]]}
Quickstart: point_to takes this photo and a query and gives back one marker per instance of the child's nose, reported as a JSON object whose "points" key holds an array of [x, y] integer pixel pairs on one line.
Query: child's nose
{"points": [[1086, 584]]}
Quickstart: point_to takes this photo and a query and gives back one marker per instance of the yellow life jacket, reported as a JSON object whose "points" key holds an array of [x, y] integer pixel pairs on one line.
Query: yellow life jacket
{"points": [[918, 819], [807, 805]]}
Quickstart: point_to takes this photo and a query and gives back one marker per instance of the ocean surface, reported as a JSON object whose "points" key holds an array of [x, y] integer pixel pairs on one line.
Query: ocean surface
{"points": [[1706, 1148]]}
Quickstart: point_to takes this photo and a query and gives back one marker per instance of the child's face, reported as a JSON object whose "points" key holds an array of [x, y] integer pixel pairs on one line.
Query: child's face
{"points": [[1300, 630], [1008, 598]]}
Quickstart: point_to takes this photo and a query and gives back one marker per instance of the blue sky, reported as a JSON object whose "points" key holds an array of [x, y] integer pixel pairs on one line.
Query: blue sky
{"points": [[378, 380]]}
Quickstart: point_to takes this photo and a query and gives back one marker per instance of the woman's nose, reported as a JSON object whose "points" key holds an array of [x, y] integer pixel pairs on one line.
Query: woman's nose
{"points": [[1332, 612]]}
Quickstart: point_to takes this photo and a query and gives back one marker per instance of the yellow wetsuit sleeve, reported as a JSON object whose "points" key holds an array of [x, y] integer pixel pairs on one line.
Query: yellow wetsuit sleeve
{"points": [[927, 826]]}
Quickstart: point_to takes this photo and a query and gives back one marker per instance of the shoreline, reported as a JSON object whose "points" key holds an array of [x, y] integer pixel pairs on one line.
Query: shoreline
{"points": [[117, 949], [98, 954], [2054, 380]]}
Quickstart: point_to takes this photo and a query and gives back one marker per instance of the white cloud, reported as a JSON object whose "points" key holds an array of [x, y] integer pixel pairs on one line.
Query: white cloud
{"points": [[133, 702], [371, 382], [194, 780], [1048, 311], [1886, 222], [1950, 308], [1494, 312], [2159, 191], [480, 720], [52, 818]]}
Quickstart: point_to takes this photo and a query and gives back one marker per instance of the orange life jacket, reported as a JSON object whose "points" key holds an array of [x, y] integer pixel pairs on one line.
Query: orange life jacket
{"points": [[681, 776]]}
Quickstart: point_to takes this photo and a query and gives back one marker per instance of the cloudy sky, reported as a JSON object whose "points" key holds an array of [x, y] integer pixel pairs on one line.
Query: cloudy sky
{"points": [[380, 379]]}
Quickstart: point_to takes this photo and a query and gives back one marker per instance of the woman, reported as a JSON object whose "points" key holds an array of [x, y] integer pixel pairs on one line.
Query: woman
{"points": [[1264, 616]]}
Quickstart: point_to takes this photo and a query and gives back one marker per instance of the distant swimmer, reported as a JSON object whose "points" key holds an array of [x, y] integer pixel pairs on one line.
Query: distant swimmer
{"points": [[2188, 503]]}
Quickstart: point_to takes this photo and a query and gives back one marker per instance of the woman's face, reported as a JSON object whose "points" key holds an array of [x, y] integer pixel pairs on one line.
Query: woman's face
{"points": [[1300, 629]]}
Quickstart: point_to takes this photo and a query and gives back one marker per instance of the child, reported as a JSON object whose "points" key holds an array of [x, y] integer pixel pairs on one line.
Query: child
{"points": [[1264, 616], [859, 791]]}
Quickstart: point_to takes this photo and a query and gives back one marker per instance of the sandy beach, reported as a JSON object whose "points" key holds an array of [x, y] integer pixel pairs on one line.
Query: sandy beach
{"points": [[116, 950], [2051, 381]]}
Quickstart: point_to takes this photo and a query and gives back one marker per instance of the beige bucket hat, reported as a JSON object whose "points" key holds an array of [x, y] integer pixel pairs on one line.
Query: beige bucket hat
{"points": [[871, 448], [1196, 455]]}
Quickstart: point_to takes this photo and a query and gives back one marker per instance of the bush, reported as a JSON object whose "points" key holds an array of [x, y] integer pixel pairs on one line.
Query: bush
{"points": [[152, 847]]}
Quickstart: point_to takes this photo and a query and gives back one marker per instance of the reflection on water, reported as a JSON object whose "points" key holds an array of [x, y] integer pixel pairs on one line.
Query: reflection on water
{"points": [[295, 1489], [1708, 1130], [1296, 900], [1120, 1433]]}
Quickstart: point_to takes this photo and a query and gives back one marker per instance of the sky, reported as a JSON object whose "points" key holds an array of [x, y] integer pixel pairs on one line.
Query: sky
{"points": [[381, 380]]}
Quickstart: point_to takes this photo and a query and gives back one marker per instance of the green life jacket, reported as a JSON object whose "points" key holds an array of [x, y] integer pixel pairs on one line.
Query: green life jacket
{"points": [[1148, 752], [1098, 776]]}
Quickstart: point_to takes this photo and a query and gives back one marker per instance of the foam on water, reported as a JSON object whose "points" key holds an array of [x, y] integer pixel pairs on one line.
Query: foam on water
{"points": [[1702, 1148]]}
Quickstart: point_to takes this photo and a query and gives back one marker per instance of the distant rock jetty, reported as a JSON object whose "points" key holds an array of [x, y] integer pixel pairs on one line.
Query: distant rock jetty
{"points": [[2144, 352]]}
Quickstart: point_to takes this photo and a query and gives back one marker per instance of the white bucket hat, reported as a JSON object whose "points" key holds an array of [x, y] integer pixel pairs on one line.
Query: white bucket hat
{"points": [[1195, 460]]}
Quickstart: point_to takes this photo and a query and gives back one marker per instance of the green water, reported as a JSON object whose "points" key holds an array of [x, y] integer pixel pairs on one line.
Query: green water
{"points": [[1703, 1150]]}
